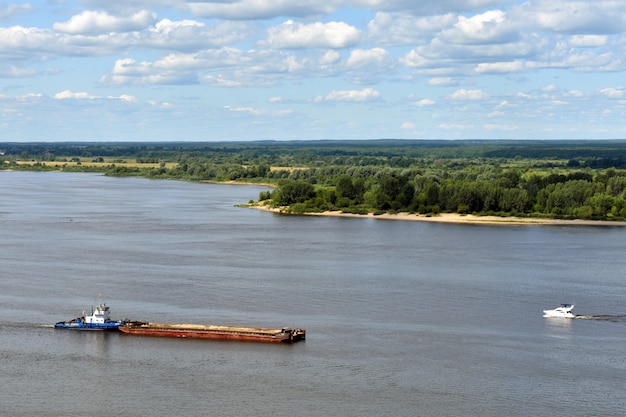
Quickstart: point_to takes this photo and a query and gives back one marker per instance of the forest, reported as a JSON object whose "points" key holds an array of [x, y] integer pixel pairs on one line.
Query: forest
{"points": [[550, 179]]}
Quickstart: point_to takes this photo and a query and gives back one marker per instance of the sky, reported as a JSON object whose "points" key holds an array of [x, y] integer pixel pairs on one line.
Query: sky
{"points": [[241, 70]]}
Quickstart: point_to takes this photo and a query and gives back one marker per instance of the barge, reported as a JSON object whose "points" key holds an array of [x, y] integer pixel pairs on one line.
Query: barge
{"points": [[209, 331]]}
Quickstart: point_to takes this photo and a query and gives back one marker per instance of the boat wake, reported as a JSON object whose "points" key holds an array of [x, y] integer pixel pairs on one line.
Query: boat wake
{"points": [[565, 312], [604, 317], [25, 325]]}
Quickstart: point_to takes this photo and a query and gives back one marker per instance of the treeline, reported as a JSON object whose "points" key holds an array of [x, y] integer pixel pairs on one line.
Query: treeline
{"points": [[398, 153], [561, 179], [488, 191], [480, 187]]}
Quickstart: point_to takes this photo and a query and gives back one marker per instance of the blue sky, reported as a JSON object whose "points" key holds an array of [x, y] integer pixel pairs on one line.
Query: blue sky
{"points": [[202, 70]]}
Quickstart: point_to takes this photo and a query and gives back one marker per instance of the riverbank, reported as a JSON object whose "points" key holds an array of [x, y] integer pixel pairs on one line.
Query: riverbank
{"points": [[457, 218]]}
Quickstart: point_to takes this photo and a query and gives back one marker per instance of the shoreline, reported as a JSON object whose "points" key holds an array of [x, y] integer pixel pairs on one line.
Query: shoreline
{"points": [[455, 218]]}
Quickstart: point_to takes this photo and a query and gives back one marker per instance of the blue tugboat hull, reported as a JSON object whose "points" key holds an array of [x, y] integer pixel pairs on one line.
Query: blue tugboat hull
{"points": [[72, 325]]}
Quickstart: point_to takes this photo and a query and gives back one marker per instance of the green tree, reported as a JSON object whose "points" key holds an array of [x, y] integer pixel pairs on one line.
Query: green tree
{"points": [[293, 192], [394, 193]]}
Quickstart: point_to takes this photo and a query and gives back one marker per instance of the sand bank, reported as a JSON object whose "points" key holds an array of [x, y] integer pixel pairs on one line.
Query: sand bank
{"points": [[459, 218]]}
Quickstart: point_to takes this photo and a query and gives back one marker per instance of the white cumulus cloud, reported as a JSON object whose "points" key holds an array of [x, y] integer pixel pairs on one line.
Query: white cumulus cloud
{"points": [[95, 22], [499, 67], [67, 94], [9, 10], [425, 102], [250, 110], [576, 17], [464, 94], [315, 35], [613, 92], [330, 57], [259, 9], [360, 58], [442, 81], [366, 94], [488, 27], [502, 127], [588, 40]]}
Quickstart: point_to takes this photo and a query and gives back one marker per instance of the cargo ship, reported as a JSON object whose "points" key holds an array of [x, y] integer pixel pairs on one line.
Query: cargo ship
{"points": [[208, 331]]}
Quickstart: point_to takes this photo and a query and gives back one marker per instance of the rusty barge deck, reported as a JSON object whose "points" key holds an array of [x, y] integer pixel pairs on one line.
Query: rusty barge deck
{"points": [[210, 331]]}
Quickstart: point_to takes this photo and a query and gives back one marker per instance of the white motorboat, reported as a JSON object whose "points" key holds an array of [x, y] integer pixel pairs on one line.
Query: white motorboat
{"points": [[564, 311]]}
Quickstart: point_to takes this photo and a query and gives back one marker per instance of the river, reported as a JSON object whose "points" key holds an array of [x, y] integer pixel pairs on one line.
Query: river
{"points": [[402, 318]]}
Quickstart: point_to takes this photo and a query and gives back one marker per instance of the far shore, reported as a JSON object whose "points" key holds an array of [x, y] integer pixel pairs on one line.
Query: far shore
{"points": [[457, 218], [436, 218]]}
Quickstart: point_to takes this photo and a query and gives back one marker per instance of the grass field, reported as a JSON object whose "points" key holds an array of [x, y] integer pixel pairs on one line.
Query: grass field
{"points": [[128, 163]]}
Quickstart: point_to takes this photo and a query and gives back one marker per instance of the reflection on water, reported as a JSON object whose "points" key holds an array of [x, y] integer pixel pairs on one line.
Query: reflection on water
{"points": [[559, 328]]}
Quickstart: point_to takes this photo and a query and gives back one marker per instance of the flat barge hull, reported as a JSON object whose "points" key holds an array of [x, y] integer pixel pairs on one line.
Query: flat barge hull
{"points": [[201, 331]]}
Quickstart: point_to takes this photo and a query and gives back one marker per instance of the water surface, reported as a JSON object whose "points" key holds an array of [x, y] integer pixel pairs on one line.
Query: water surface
{"points": [[402, 318]]}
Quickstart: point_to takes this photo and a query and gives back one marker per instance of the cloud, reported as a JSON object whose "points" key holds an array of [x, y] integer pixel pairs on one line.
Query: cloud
{"points": [[249, 110], [174, 68], [224, 67], [549, 88], [18, 42], [575, 93], [259, 9], [442, 81], [488, 27], [30, 96], [125, 97], [367, 94], [97, 22], [191, 35], [575, 17], [408, 126], [35, 44], [455, 126], [267, 9], [423, 8], [588, 40], [360, 58], [252, 111], [67, 94], [10, 10], [464, 94], [314, 35], [613, 92], [330, 57], [415, 59], [512, 40], [17, 72], [500, 127], [499, 67], [425, 102], [405, 29], [445, 43]]}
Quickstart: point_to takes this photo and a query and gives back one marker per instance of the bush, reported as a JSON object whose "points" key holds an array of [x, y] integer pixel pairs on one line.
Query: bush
{"points": [[463, 209]]}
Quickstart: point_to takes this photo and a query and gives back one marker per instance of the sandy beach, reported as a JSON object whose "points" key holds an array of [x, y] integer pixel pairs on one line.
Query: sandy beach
{"points": [[459, 218]]}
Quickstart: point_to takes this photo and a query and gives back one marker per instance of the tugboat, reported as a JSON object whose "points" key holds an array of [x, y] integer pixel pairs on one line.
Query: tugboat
{"points": [[99, 319]]}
